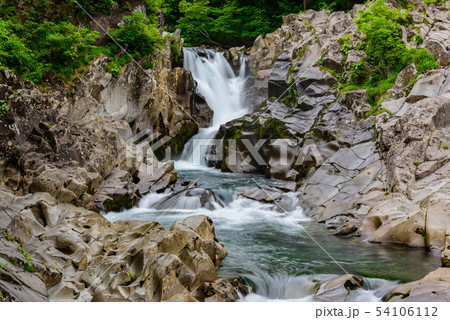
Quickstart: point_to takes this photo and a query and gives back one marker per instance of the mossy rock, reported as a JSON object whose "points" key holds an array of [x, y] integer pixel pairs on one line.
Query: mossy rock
{"points": [[124, 202], [188, 130]]}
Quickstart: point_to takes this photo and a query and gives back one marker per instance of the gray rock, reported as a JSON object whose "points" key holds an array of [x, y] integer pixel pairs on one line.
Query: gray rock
{"points": [[395, 220], [103, 261], [432, 288], [279, 79], [338, 289]]}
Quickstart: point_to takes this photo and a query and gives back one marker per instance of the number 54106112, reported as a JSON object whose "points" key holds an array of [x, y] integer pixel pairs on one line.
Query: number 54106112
{"points": [[407, 311]]}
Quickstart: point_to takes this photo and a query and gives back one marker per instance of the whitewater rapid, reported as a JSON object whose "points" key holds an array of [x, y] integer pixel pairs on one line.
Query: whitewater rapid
{"points": [[266, 247]]}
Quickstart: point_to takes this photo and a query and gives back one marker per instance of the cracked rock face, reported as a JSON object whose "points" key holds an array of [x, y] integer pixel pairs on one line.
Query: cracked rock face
{"points": [[384, 178], [74, 254]]}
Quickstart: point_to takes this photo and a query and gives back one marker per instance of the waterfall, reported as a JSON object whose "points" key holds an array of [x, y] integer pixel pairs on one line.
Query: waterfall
{"points": [[224, 92]]}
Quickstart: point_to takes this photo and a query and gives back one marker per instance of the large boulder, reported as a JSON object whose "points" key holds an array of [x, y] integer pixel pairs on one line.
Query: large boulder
{"points": [[396, 220], [58, 252], [416, 142], [432, 288]]}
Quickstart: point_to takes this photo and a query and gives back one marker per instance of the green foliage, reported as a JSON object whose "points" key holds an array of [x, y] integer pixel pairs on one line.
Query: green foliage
{"points": [[386, 52], [115, 66], [137, 34], [236, 22], [438, 2], [291, 97], [383, 43], [417, 39], [445, 147], [47, 39], [97, 6], [36, 50], [417, 163], [177, 57], [27, 266], [326, 5], [3, 110], [203, 23], [153, 7]]}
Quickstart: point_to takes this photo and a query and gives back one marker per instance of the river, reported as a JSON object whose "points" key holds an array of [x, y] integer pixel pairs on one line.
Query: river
{"points": [[272, 250]]}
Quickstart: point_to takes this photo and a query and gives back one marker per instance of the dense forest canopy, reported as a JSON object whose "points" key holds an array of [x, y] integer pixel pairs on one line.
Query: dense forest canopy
{"points": [[48, 39], [53, 39], [237, 22], [41, 39]]}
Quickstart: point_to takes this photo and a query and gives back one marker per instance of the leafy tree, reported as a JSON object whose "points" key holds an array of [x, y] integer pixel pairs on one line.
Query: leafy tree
{"points": [[41, 39], [49, 48], [226, 21], [236, 22], [196, 21], [13, 51], [138, 34], [97, 6]]}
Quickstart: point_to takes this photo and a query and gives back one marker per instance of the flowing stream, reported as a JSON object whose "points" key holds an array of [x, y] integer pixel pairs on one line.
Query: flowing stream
{"points": [[224, 92], [265, 246]]}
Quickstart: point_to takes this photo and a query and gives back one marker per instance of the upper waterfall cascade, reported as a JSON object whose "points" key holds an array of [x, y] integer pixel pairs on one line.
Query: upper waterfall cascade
{"points": [[224, 91]]}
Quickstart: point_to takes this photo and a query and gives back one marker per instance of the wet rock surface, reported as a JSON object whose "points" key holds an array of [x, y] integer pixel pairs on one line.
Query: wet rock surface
{"points": [[382, 177], [59, 252], [338, 289], [432, 288]]}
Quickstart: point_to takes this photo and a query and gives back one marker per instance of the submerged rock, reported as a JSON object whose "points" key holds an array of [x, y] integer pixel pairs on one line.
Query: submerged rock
{"points": [[338, 289]]}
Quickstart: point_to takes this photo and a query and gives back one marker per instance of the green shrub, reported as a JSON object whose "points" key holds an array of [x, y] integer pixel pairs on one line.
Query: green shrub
{"points": [[36, 50], [137, 34], [383, 44], [115, 66], [27, 267], [45, 39], [417, 39], [386, 52], [438, 2], [177, 59], [3, 107], [14, 53], [153, 7]]}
